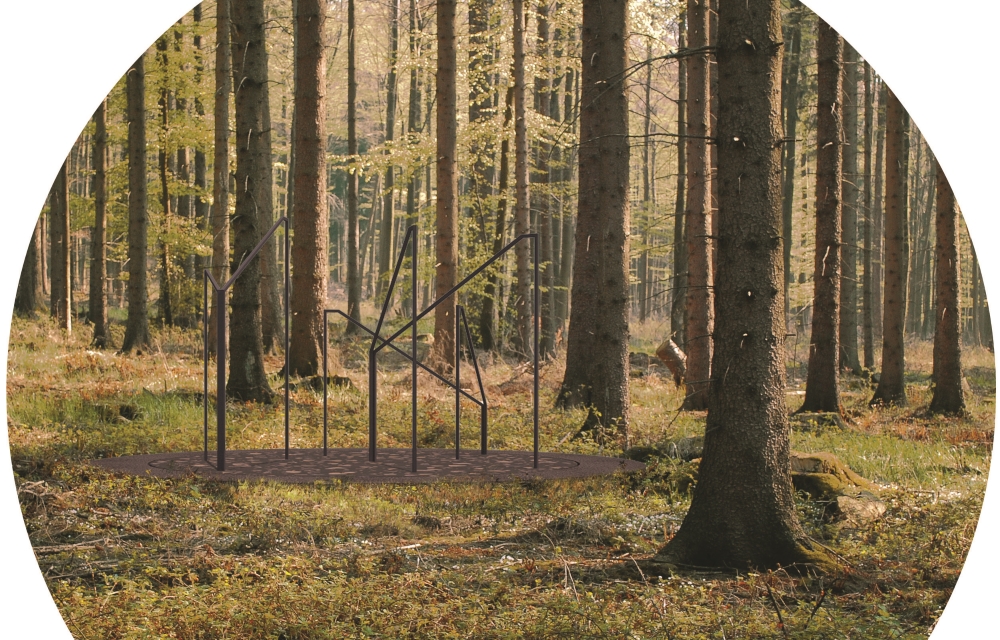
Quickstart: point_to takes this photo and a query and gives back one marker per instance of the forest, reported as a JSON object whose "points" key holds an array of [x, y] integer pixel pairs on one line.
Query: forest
{"points": [[754, 278]]}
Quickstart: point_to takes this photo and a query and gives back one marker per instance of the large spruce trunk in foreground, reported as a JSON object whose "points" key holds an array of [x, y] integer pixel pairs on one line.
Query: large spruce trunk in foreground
{"points": [[137, 324], [597, 351], [247, 380], [310, 261], [824, 344], [743, 512], [891, 387], [947, 377]]}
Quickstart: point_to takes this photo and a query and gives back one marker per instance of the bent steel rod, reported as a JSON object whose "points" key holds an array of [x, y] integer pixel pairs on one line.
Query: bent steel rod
{"points": [[464, 281], [220, 313], [440, 378], [479, 380]]}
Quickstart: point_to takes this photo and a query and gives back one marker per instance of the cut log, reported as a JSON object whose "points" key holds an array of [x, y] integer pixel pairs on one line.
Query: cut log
{"points": [[674, 358]]}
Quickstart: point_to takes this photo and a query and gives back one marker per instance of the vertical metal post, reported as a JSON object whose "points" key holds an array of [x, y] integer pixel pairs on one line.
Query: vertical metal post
{"points": [[287, 390], [372, 404], [535, 317], [326, 348], [413, 361], [220, 380], [482, 429], [458, 380], [204, 356]]}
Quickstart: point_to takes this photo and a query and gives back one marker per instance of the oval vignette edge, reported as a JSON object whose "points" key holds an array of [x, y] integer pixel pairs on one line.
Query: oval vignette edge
{"points": [[890, 34]]}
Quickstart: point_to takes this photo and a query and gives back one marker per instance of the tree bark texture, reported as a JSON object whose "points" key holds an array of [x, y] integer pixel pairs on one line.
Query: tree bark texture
{"points": [[597, 351], [851, 192], [220, 176], [823, 376], [743, 509], [446, 236], [891, 387], [868, 332], [700, 308], [310, 259], [678, 300], [137, 324], [947, 372], [247, 378], [522, 194], [387, 222], [353, 267], [62, 280], [166, 308], [97, 308], [28, 298], [878, 219], [790, 95]]}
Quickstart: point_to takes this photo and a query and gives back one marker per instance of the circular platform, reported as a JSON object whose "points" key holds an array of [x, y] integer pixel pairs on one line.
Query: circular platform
{"points": [[352, 465]]}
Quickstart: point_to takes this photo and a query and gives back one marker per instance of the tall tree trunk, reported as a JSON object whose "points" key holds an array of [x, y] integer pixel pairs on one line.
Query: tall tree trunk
{"points": [[891, 387], [743, 509], [166, 308], [353, 267], [851, 196], [566, 252], [310, 259], [647, 209], [790, 94], [597, 350], [878, 218], [947, 374], [62, 277], [97, 308], [486, 319], [822, 393], [700, 308], [28, 299], [220, 176], [201, 206], [388, 201], [678, 306], [543, 199], [868, 332], [446, 236], [412, 130], [272, 320], [522, 195], [137, 324], [247, 378], [481, 151]]}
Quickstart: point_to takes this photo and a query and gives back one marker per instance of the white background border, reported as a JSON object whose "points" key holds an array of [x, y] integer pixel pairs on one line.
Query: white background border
{"points": [[59, 59]]}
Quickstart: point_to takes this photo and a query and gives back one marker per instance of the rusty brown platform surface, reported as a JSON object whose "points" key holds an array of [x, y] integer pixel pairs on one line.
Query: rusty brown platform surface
{"points": [[352, 465]]}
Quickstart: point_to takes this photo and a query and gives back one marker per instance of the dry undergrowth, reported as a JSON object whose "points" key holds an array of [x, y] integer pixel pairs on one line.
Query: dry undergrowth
{"points": [[138, 558]]}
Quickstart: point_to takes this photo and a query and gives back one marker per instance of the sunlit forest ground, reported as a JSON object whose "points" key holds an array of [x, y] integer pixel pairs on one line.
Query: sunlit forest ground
{"points": [[128, 557]]}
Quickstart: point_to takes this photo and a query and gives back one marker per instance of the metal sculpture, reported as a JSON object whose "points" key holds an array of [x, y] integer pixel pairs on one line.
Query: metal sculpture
{"points": [[220, 318], [377, 344]]}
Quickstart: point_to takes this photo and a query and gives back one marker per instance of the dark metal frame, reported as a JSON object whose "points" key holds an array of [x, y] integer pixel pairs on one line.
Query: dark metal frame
{"points": [[221, 356], [378, 343]]}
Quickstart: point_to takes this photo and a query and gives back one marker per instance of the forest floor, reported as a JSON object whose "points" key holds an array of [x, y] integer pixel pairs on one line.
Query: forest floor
{"points": [[129, 557]]}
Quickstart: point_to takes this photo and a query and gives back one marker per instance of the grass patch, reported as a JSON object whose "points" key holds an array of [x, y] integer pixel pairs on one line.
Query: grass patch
{"points": [[129, 557]]}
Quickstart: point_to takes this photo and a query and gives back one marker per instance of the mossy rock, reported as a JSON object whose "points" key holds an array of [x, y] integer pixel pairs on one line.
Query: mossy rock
{"points": [[826, 464], [816, 422]]}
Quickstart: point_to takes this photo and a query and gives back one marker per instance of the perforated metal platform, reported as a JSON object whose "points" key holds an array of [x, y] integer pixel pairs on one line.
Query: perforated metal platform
{"points": [[352, 465]]}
